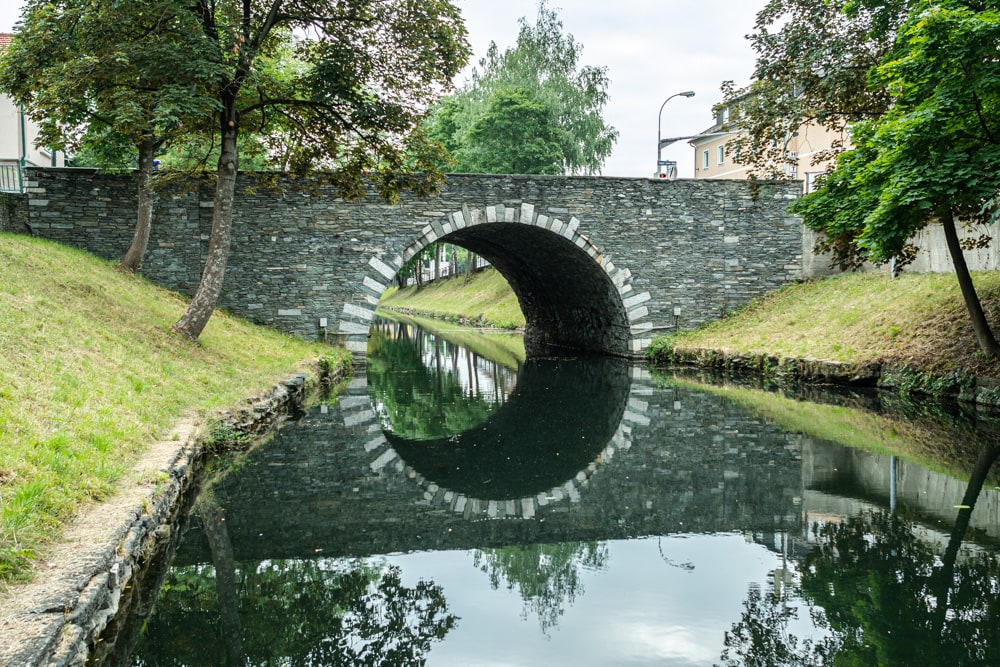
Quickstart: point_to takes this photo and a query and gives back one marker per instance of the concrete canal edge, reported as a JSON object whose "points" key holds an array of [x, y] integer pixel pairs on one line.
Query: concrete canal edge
{"points": [[797, 370], [63, 616]]}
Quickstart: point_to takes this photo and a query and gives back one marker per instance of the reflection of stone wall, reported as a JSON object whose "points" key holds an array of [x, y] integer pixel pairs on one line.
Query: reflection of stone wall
{"points": [[680, 462], [921, 491]]}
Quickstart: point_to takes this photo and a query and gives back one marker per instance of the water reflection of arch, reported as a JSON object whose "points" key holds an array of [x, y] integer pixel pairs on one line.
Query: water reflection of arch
{"points": [[557, 427]]}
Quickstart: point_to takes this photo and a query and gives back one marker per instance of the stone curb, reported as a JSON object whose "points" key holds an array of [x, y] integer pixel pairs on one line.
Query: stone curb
{"points": [[978, 390], [59, 623]]}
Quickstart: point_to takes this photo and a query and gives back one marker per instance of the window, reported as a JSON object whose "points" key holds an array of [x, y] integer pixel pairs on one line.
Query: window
{"points": [[722, 153], [704, 159]]}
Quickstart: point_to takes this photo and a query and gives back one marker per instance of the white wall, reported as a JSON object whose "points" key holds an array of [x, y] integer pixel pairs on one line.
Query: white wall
{"points": [[10, 137], [932, 252]]}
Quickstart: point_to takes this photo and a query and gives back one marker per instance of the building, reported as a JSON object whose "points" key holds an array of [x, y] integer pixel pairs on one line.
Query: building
{"points": [[17, 141], [713, 157]]}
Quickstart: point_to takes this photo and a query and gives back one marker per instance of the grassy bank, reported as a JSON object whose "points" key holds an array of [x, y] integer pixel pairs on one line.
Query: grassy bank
{"points": [[914, 320], [505, 349], [89, 373], [485, 299]]}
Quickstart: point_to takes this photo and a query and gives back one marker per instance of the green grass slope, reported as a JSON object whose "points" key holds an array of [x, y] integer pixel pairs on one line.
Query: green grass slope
{"points": [[90, 373], [916, 320], [485, 298]]}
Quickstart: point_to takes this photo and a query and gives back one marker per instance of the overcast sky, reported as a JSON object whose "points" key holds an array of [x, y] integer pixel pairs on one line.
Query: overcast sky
{"points": [[652, 49]]}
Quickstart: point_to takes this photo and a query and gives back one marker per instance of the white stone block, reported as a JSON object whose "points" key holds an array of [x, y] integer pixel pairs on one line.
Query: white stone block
{"points": [[387, 271]]}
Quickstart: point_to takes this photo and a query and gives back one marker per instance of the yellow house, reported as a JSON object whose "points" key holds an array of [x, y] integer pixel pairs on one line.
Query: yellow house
{"points": [[714, 159]]}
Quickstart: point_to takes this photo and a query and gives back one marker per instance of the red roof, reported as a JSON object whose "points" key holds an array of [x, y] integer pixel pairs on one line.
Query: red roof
{"points": [[5, 39]]}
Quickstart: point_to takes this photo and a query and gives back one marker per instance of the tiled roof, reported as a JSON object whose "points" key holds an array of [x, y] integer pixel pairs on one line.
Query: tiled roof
{"points": [[4, 39]]}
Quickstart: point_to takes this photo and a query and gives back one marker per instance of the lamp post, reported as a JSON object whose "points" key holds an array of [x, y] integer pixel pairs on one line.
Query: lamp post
{"points": [[659, 127]]}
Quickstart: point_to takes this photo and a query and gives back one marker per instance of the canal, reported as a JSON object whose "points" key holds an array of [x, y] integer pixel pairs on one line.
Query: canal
{"points": [[456, 505]]}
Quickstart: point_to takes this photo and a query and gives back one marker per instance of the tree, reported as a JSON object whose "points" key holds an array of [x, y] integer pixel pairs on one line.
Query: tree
{"points": [[111, 77], [369, 69], [539, 72], [516, 135], [934, 155], [813, 60]]}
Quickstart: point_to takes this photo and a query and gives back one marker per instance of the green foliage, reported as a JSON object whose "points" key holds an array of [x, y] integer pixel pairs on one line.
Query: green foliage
{"points": [[516, 135], [813, 60], [661, 349], [538, 78], [935, 150], [102, 77], [348, 92], [333, 364], [224, 437]]}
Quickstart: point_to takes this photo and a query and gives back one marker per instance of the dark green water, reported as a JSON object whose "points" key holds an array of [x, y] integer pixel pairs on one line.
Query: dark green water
{"points": [[450, 509]]}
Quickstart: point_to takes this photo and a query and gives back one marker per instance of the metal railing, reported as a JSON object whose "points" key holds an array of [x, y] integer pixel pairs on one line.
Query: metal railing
{"points": [[11, 176]]}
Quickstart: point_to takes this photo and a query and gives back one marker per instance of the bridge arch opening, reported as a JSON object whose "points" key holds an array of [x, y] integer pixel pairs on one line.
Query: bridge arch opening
{"points": [[574, 299]]}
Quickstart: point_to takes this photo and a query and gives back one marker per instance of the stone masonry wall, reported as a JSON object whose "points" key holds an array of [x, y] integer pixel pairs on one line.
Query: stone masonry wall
{"points": [[680, 252]]}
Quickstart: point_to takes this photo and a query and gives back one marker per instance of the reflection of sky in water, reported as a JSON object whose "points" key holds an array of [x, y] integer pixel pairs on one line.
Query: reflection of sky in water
{"points": [[638, 610]]}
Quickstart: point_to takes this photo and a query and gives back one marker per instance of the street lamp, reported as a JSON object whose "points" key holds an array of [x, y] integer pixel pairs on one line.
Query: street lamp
{"points": [[659, 128]]}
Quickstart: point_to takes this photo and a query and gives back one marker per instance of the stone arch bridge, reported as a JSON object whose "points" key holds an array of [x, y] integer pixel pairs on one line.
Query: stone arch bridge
{"points": [[598, 264]]}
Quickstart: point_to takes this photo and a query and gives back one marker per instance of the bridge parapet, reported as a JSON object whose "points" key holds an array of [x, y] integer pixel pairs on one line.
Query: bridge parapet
{"points": [[599, 264]]}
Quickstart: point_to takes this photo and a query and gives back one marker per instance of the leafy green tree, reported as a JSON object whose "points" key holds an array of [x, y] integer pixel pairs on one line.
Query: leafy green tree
{"points": [[540, 75], [813, 60], [516, 135], [117, 78], [369, 69], [934, 155]]}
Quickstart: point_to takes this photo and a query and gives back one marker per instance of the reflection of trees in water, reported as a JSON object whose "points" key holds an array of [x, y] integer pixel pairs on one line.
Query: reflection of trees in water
{"points": [[547, 576], [290, 612], [885, 595], [761, 637], [298, 613], [424, 387]]}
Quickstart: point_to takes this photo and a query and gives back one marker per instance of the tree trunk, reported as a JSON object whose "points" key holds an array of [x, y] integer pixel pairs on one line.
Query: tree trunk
{"points": [[214, 521], [193, 322], [144, 217], [470, 261], [946, 576], [437, 261], [987, 342]]}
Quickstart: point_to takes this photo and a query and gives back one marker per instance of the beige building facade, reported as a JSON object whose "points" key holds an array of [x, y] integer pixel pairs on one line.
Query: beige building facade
{"points": [[714, 156]]}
